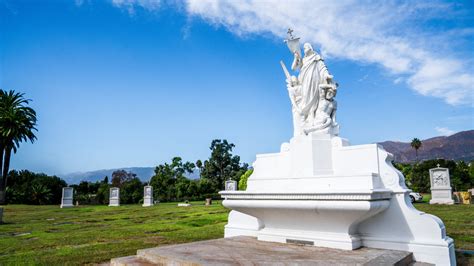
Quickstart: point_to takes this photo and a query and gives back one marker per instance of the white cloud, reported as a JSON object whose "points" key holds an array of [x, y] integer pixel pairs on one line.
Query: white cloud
{"points": [[380, 32], [443, 131], [130, 5]]}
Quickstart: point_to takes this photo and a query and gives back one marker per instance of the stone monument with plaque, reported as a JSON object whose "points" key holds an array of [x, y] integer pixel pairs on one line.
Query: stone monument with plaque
{"points": [[148, 196], [114, 197], [441, 192], [231, 185], [67, 197], [319, 190]]}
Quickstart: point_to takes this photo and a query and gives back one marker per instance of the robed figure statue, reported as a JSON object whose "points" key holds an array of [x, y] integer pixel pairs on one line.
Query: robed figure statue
{"points": [[305, 90]]}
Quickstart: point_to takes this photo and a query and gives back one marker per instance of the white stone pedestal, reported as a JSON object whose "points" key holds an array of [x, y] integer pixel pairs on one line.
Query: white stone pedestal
{"points": [[114, 197], [441, 192], [320, 191], [67, 197], [148, 196]]}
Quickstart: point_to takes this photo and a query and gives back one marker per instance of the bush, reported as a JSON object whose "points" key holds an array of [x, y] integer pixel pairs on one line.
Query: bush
{"points": [[244, 178]]}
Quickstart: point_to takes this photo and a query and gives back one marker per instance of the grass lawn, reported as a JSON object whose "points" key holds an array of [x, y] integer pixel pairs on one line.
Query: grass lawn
{"points": [[94, 234]]}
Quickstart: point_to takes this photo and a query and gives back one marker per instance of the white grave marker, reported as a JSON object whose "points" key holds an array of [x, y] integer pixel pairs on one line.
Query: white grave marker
{"points": [[230, 185], [441, 192], [114, 198], [147, 196], [66, 200]]}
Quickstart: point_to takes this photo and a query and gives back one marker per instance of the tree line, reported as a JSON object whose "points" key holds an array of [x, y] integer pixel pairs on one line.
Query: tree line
{"points": [[170, 181]]}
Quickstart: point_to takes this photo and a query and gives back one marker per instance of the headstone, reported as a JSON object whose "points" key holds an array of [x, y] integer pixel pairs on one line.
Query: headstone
{"points": [[184, 204], [440, 186], [77, 203], [147, 196], [208, 201], [1, 215], [114, 198], [67, 197], [230, 185], [465, 197], [320, 190]]}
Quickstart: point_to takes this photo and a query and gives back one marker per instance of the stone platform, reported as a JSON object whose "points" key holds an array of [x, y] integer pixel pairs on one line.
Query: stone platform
{"points": [[249, 251]]}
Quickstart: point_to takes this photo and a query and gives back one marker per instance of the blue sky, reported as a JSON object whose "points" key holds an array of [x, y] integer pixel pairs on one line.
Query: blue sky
{"points": [[133, 83]]}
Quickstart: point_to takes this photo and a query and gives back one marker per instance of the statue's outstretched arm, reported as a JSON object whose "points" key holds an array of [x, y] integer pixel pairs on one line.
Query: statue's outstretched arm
{"points": [[296, 65]]}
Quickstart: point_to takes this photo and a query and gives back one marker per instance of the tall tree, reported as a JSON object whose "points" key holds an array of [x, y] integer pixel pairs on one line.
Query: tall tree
{"points": [[222, 165], [416, 144], [17, 124], [119, 177], [168, 176]]}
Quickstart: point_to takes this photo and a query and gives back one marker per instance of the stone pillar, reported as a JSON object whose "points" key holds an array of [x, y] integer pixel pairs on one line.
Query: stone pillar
{"points": [[440, 186], [231, 185], [147, 196], [114, 197], [66, 200]]}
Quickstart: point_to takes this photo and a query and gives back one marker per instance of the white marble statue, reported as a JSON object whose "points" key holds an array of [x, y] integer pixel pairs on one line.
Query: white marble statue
{"points": [[306, 92], [320, 190]]}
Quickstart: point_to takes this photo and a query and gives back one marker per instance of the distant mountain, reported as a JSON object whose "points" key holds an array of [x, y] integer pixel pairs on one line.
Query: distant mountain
{"points": [[144, 173], [459, 146]]}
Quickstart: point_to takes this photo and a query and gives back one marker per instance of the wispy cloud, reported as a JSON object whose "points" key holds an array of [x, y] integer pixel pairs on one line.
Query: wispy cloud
{"points": [[395, 35], [131, 5], [381, 32], [444, 131]]}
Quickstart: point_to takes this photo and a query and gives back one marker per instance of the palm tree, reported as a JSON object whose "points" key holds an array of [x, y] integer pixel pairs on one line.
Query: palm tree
{"points": [[416, 144], [40, 194], [17, 123]]}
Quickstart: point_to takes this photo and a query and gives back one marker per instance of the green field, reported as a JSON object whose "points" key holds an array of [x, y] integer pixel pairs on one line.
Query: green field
{"points": [[94, 234]]}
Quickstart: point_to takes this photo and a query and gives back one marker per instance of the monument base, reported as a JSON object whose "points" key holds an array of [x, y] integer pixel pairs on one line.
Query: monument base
{"points": [[147, 202], [114, 203], [67, 203], [441, 196], [441, 201], [250, 251]]}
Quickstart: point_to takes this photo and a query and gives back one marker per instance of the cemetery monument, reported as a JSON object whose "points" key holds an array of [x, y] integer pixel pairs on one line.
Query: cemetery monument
{"points": [[114, 197], [67, 197], [230, 185], [441, 192], [147, 196], [319, 190]]}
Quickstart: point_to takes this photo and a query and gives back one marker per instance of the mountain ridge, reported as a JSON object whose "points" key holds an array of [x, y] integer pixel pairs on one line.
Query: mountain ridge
{"points": [[457, 147]]}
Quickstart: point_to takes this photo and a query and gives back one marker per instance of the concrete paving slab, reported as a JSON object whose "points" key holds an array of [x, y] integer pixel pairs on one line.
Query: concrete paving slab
{"points": [[250, 251]]}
